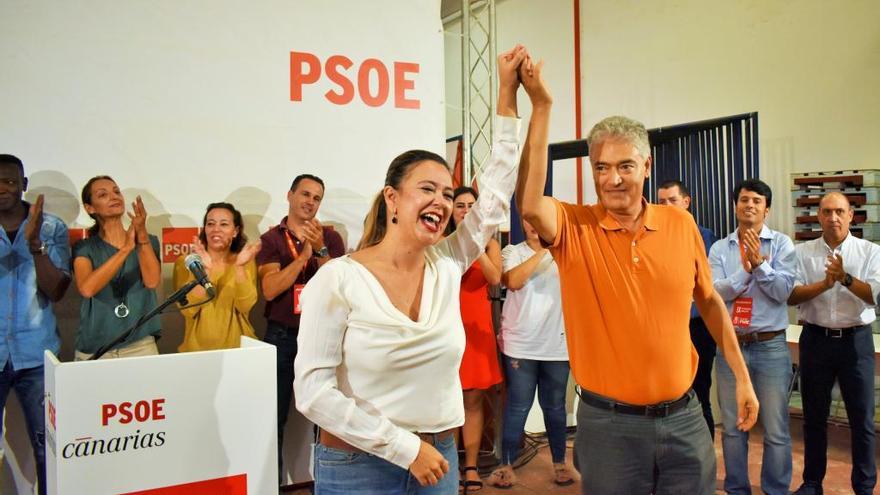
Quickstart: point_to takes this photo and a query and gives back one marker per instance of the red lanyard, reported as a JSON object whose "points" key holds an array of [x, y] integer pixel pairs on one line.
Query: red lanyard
{"points": [[290, 245], [295, 254]]}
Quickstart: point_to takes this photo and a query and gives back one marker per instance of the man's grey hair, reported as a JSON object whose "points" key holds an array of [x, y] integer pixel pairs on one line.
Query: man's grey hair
{"points": [[621, 128]]}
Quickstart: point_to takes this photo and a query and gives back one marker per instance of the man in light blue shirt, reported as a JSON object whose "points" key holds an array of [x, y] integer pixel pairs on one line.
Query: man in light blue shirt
{"points": [[34, 272], [753, 270]]}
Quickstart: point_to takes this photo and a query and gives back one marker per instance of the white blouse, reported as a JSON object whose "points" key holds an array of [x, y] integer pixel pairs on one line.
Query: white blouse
{"points": [[365, 371]]}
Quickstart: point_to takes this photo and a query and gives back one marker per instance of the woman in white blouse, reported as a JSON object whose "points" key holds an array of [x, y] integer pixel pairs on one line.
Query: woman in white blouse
{"points": [[381, 337]]}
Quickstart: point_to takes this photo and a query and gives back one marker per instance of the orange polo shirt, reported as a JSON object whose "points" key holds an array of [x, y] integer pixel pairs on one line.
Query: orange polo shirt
{"points": [[626, 299]]}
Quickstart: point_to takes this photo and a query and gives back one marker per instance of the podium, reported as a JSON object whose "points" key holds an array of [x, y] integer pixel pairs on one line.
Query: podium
{"points": [[194, 423]]}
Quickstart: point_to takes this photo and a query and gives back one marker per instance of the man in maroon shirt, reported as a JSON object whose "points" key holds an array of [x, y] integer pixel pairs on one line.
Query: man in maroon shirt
{"points": [[291, 254]]}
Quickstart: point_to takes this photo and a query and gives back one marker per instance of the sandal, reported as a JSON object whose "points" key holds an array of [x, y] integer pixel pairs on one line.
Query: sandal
{"points": [[502, 478], [563, 475], [470, 485]]}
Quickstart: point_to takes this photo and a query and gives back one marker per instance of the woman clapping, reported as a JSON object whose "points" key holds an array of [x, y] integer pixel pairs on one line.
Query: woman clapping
{"points": [[229, 262]]}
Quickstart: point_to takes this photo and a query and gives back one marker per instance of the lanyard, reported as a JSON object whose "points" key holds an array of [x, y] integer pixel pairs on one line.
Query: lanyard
{"points": [[294, 252], [117, 285], [290, 244]]}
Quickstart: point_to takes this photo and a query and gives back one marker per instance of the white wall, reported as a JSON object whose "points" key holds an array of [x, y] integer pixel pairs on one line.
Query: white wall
{"points": [[810, 68]]}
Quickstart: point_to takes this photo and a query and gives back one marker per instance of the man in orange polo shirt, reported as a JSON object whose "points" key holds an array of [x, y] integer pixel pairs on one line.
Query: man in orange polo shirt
{"points": [[628, 273]]}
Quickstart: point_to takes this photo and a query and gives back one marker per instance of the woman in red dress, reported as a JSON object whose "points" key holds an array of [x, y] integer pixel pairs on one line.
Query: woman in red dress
{"points": [[479, 365]]}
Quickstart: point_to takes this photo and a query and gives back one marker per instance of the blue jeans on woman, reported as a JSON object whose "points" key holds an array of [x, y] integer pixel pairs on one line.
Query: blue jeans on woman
{"points": [[769, 365], [340, 472], [523, 377]]}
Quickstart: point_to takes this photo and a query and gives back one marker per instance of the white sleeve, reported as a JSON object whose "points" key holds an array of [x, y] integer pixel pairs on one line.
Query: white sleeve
{"points": [[497, 183], [510, 258], [872, 271], [800, 274], [322, 328]]}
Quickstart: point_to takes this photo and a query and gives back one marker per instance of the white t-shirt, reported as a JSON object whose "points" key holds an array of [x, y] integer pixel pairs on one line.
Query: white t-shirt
{"points": [[364, 370], [531, 321]]}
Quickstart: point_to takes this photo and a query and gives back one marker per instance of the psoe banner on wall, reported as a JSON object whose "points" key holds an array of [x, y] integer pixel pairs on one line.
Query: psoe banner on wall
{"points": [[189, 103], [193, 423]]}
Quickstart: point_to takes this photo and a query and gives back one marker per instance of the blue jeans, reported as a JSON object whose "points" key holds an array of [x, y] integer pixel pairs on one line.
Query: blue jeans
{"points": [[340, 472], [523, 376], [623, 454], [769, 365], [28, 385], [284, 340]]}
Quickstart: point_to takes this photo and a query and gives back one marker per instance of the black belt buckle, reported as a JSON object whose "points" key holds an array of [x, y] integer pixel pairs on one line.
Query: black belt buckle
{"points": [[658, 410], [834, 333]]}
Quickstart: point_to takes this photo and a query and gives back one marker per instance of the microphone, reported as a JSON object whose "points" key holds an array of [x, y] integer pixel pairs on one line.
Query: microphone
{"points": [[194, 264]]}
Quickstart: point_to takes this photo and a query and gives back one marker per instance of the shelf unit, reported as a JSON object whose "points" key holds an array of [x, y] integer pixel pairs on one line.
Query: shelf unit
{"points": [[861, 187]]}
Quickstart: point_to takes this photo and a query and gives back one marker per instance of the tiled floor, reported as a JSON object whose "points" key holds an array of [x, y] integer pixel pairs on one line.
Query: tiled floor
{"points": [[536, 477]]}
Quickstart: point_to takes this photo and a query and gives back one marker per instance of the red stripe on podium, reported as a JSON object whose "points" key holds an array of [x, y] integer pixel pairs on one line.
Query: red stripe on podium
{"points": [[231, 485]]}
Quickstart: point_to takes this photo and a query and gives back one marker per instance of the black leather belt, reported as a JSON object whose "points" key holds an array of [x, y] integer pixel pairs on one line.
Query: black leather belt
{"points": [[833, 333], [660, 410], [754, 337]]}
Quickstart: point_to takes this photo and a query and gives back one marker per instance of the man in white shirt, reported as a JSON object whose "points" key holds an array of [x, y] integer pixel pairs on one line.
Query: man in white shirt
{"points": [[838, 280]]}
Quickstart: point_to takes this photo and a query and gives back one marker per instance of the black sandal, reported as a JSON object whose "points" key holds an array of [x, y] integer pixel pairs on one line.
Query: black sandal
{"points": [[470, 485]]}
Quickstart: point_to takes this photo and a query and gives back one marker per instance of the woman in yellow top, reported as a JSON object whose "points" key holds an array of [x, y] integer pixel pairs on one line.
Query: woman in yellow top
{"points": [[229, 262]]}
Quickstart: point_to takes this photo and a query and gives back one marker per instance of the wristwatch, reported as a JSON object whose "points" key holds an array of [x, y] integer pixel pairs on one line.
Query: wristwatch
{"points": [[323, 252], [847, 280], [43, 249]]}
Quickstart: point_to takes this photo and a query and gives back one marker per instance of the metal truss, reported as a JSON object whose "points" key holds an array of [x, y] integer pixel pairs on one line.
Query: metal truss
{"points": [[478, 85]]}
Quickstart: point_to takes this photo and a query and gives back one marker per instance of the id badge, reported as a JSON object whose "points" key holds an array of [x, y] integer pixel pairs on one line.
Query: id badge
{"points": [[742, 312], [297, 290]]}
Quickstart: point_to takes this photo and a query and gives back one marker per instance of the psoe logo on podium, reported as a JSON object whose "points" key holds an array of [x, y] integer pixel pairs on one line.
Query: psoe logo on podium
{"points": [[148, 415], [230, 485]]}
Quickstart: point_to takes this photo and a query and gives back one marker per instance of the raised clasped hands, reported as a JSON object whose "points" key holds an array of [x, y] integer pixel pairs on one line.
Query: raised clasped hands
{"points": [[530, 73], [508, 63]]}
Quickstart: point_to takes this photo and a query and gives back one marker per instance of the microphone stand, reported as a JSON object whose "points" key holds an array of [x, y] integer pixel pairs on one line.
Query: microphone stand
{"points": [[178, 296]]}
